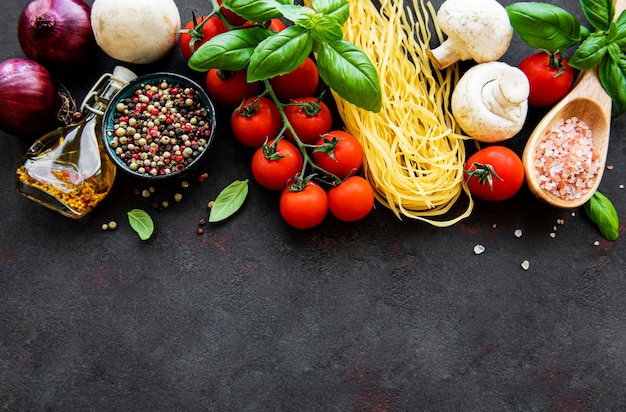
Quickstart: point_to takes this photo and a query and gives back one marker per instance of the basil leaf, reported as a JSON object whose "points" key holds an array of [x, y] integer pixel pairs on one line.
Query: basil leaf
{"points": [[141, 222], [620, 37], [229, 200], [258, 10], [337, 9], [599, 13], [350, 73], [589, 52], [602, 212], [228, 51], [612, 74], [302, 16], [280, 53], [544, 26], [327, 29]]}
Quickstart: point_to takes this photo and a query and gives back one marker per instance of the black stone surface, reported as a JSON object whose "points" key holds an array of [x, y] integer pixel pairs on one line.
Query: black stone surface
{"points": [[379, 315]]}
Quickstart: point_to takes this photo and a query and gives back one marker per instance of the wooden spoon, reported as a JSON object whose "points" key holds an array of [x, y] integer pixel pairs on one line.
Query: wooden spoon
{"points": [[588, 102]]}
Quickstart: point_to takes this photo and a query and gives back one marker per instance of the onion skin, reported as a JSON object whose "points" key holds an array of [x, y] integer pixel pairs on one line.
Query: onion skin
{"points": [[56, 33], [136, 31], [29, 98]]}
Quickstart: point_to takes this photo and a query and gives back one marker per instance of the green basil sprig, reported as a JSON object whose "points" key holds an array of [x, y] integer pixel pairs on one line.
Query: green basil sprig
{"points": [[547, 27], [267, 54], [602, 212]]}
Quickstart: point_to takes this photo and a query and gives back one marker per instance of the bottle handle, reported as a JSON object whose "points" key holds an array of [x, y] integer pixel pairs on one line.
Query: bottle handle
{"points": [[93, 93]]}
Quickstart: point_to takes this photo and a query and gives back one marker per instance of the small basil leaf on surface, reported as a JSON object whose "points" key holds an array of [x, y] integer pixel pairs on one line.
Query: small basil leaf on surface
{"points": [[602, 212], [350, 73], [337, 9], [228, 51], [599, 13], [544, 26], [141, 222], [589, 52], [280, 53], [258, 10], [229, 201], [612, 74]]}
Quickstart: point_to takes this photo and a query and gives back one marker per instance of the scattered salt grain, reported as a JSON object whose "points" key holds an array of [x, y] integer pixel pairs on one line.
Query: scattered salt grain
{"points": [[525, 265], [566, 163], [621, 186], [478, 249], [552, 235], [518, 233], [596, 243], [609, 167]]}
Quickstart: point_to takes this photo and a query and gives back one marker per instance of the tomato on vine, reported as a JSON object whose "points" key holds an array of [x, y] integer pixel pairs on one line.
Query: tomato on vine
{"points": [[310, 118], [339, 153], [304, 204], [276, 164], [256, 121], [229, 88], [351, 200], [232, 17], [549, 76], [494, 173], [191, 37], [300, 82]]}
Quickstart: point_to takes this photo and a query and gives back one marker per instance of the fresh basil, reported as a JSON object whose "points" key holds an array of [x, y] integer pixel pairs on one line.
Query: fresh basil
{"points": [[602, 212], [337, 9], [258, 10], [544, 26], [345, 69], [228, 51], [612, 74], [267, 54], [599, 13], [141, 222], [280, 53], [229, 201], [589, 53]]}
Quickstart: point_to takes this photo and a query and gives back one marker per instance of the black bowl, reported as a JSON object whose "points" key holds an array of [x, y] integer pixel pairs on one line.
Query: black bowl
{"points": [[165, 138]]}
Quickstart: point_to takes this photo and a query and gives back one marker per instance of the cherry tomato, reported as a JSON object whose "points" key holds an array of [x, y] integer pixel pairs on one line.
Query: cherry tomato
{"points": [[256, 121], [210, 29], [229, 88], [309, 117], [277, 25], [494, 173], [276, 164], [351, 200], [232, 17], [304, 208], [301, 82], [338, 153], [549, 76]]}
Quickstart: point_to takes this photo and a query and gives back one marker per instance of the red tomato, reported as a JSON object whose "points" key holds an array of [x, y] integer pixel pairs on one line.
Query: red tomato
{"points": [[306, 208], [494, 173], [276, 164], [232, 17], [309, 118], [301, 82], [549, 76], [277, 25], [351, 200], [256, 121], [210, 29], [229, 88], [339, 153]]}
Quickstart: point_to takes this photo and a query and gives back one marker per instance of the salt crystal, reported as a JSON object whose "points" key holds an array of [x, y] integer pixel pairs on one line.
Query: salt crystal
{"points": [[518, 233], [478, 249], [596, 243], [621, 186], [525, 265], [552, 235]]}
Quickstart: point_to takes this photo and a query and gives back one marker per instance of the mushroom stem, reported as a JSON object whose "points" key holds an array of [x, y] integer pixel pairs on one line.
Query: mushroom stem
{"points": [[447, 53], [504, 95]]}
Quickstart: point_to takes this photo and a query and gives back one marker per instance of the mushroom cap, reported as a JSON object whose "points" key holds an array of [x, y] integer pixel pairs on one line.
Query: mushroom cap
{"points": [[480, 29]]}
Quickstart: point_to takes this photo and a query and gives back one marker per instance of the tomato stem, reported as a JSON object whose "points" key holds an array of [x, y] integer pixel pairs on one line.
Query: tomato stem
{"points": [[483, 172]]}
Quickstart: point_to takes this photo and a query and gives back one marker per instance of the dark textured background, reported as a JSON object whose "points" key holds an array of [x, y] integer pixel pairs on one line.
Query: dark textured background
{"points": [[380, 315]]}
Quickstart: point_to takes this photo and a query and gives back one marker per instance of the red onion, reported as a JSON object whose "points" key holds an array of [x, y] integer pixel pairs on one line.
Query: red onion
{"points": [[56, 33], [29, 98]]}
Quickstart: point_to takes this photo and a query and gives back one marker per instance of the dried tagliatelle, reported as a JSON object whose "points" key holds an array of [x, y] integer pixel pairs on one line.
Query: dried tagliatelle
{"points": [[414, 150]]}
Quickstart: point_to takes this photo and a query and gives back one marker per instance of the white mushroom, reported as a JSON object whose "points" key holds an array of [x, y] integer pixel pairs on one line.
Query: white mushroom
{"points": [[476, 29], [490, 101]]}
